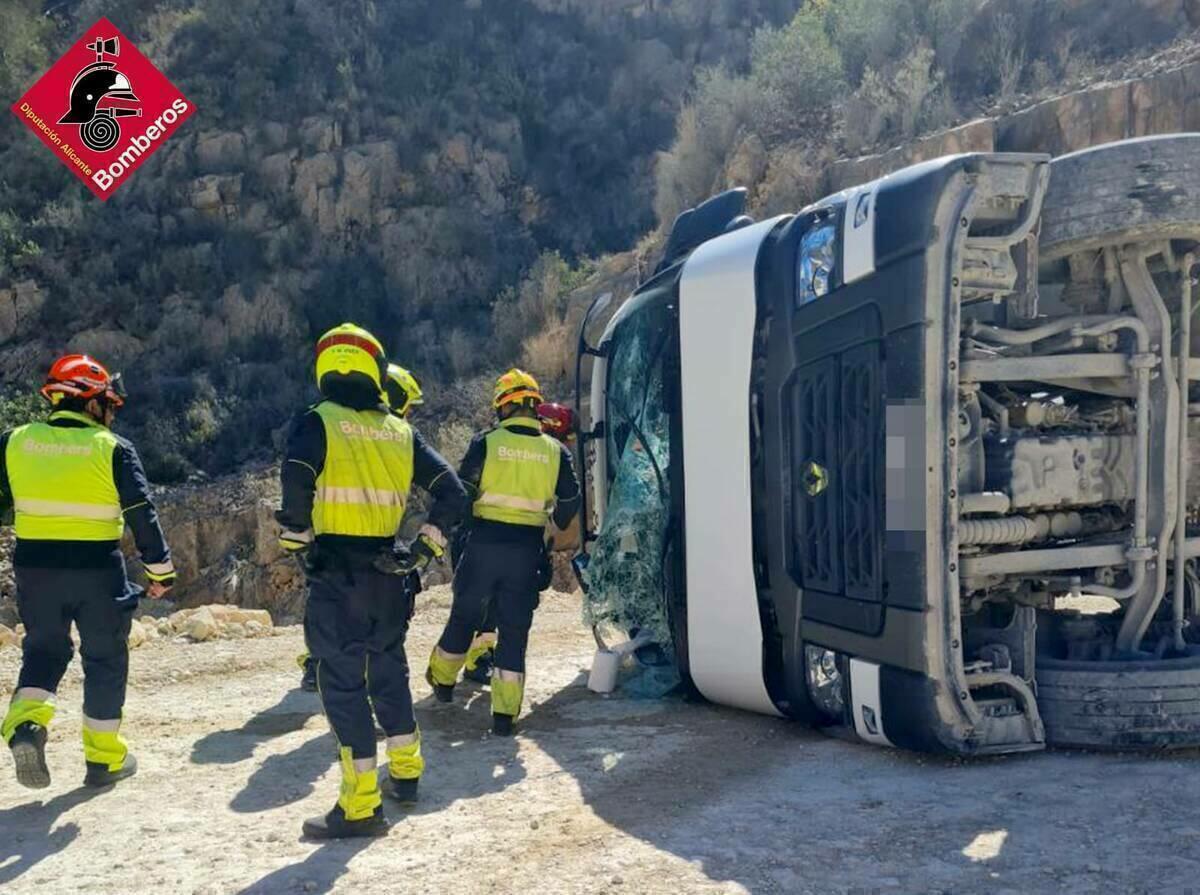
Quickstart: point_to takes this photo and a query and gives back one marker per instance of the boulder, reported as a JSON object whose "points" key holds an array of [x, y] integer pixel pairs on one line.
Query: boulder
{"points": [[8, 637], [320, 133], [276, 170], [116, 346], [201, 625], [137, 634], [219, 152], [311, 175]]}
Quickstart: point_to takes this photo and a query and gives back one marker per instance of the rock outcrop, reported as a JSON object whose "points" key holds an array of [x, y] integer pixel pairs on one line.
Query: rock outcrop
{"points": [[1162, 102], [223, 539]]}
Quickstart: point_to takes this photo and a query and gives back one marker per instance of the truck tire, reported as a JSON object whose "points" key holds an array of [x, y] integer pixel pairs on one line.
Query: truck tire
{"points": [[1142, 190], [1120, 705]]}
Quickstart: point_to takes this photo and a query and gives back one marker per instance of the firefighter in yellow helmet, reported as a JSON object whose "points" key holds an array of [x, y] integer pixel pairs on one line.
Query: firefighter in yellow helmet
{"points": [[519, 480], [74, 485], [346, 478], [403, 393]]}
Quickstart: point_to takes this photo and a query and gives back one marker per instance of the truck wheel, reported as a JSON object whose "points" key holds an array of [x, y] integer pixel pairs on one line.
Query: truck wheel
{"points": [[1143, 190], [1120, 705]]}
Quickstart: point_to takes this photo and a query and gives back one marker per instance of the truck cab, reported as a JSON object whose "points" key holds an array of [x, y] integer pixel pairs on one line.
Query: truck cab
{"points": [[862, 464]]}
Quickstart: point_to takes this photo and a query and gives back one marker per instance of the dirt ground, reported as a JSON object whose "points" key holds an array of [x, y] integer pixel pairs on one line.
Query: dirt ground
{"points": [[595, 795]]}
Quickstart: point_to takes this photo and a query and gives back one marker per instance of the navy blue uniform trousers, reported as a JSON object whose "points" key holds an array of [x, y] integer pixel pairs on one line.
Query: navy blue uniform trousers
{"points": [[101, 603], [355, 623]]}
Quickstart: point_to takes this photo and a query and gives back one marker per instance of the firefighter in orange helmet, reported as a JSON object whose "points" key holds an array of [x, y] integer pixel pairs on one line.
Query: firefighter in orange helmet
{"points": [[74, 485]]}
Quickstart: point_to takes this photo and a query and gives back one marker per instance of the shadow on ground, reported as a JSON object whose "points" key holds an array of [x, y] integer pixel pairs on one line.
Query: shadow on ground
{"points": [[28, 834], [493, 765], [318, 873], [288, 715], [777, 807]]}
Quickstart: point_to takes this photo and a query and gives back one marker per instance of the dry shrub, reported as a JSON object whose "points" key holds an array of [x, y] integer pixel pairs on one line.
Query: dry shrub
{"points": [[460, 354], [549, 354], [452, 439], [895, 105]]}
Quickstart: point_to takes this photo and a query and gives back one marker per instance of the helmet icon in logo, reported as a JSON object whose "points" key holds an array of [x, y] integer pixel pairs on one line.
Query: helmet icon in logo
{"points": [[100, 82]]}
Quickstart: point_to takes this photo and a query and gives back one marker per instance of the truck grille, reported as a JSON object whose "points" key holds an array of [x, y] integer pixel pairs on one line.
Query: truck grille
{"points": [[838, 424], [861, 440]]}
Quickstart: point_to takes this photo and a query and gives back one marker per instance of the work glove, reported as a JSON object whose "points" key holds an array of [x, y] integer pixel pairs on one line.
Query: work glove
{"points": [[434, 535], [416, 558], [295, 541], [161, 577]]}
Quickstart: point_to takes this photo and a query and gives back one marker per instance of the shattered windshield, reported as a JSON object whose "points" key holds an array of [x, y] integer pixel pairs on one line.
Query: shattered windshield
{"points": [[625, 575]]}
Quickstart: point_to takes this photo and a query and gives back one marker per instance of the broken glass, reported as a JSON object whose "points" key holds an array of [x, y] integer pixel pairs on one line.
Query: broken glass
{"points": [[625, 574]]}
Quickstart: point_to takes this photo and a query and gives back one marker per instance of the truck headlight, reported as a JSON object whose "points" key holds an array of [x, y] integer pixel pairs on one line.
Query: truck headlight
{"points": [[826, 683], [814, 264]]}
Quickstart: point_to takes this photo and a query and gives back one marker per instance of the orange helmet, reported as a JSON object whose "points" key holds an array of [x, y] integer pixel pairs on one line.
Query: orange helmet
{"points": [[516, 385], [79, 376], [557, 420]]}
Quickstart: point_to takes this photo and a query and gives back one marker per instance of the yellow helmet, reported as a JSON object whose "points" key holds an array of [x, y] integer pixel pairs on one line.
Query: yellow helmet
{"points": [[350, 351], [403, 390], [516, 385]]}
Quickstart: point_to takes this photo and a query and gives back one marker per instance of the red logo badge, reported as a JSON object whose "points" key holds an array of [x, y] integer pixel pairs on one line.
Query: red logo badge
{"points": [[103, 108]]}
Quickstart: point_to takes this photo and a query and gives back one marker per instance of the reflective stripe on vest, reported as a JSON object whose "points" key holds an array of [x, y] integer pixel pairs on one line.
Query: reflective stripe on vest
{"points": [[62, 481], [520, 476], [363, 487]]}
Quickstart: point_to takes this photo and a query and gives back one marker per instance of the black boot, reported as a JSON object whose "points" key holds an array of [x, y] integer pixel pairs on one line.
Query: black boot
{"points": [[335, 826], [99, 774], [502, 725], [443, 692], [28, 745], [308, 680], [403, 791], [482, 672]]}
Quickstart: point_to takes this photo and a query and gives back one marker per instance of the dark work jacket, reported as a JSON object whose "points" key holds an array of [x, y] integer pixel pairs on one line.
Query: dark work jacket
{"points": [[140, 515], [566, 492]]}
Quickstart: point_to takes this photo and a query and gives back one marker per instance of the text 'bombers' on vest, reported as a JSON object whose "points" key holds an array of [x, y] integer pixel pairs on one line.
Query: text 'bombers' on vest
{"points": [[139, 145], [358, 431], [507, 453], [41, 447]]}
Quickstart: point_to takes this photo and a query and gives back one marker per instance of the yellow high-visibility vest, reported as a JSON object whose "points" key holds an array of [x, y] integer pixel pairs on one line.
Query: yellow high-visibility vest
{"points": [[363, 488], [520, 475], [61, 479]]}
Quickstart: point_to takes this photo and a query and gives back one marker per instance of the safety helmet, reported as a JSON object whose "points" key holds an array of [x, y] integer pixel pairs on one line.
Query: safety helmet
{"points": [[557, 420], [516, 385], [350, 353], [97, 82], [80, 376], [403, 390]]}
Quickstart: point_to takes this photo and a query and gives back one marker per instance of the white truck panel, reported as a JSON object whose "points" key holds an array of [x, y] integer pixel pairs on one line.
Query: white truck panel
{"points": [[716, 323]]}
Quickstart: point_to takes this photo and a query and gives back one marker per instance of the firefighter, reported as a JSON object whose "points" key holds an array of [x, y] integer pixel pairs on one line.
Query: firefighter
{"points": [[403, 393], [346, 479], [519, 479], [73, 486], [558, 422]]}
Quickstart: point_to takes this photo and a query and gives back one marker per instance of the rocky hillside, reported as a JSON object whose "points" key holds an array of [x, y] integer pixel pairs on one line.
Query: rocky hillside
{"points": [[397, 163]]}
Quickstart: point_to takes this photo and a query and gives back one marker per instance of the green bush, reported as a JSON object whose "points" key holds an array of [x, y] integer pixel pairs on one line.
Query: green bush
{"points": [[20, 407], [797, 72]]}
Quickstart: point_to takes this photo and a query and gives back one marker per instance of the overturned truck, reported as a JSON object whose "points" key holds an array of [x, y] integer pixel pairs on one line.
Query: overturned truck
{"points": [[918, 460]]}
